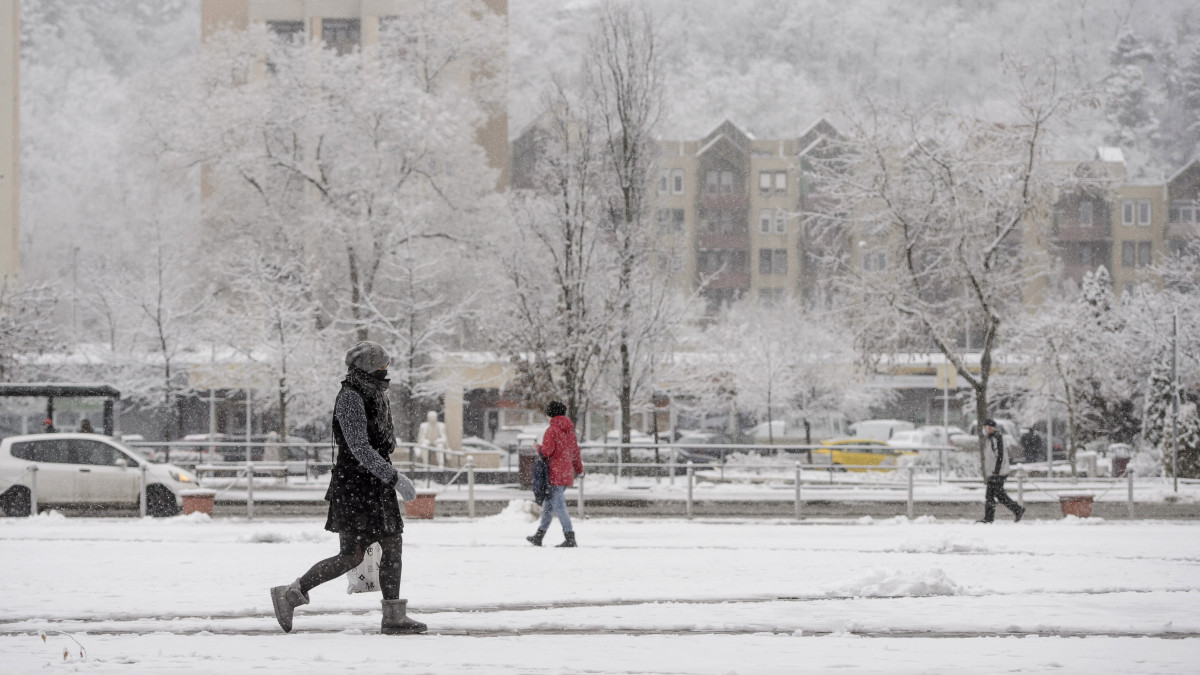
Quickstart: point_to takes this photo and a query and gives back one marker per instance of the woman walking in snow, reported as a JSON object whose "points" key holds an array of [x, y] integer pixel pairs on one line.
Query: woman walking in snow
{"points": [[363, 508], [561, 452]]}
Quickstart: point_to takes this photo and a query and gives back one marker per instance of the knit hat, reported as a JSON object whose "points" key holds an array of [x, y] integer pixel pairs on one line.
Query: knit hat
{"points": [[368, 356], [989, 422], [554, 409]]}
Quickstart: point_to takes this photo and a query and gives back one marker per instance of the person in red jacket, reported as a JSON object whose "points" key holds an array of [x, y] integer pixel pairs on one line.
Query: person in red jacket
{"points": [[561, 452]]}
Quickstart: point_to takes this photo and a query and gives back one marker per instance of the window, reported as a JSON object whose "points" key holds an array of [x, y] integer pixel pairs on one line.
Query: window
{"points": [[780, 223], [343, 35], [781, 182], [737, 261], [881, 261], [712, 182], [1086, 210], [726, 182], [780, 261], [1143, 252], [1128, 254], [677, 181], [1182, 211], [663, 220], [286, 31], [54, 452], [764, 182], [1127, 288], [95, 452], [1144, 212], [663, 178], [764, 222], [764, 261], [1127, 212]]}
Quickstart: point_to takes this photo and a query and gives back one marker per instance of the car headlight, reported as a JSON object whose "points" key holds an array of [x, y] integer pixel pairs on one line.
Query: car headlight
{"points": [[183, 477]]}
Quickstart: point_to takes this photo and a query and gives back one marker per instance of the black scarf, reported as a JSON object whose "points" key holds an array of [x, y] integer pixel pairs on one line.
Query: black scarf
{"points": [[373, 386]]}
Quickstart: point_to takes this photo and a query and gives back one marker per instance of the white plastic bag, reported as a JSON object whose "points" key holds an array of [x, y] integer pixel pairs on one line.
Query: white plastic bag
{"points": [[365, 577]]}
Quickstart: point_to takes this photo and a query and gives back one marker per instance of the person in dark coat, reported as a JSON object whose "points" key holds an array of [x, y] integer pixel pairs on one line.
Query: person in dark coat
{"points": [[995, 468], [561, 452], [363, 508]]}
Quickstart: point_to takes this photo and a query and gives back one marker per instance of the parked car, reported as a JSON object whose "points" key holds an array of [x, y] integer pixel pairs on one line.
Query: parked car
{"points": [[858, 452], [879, 430], [85, 469], [913, 439]]}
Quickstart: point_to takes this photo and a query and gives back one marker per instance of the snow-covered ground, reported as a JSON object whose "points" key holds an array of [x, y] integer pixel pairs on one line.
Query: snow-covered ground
{"points": [[189, 595]]}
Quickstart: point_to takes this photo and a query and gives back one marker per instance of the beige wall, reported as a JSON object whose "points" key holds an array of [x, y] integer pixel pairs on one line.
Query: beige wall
{"points": [[10, 153]]}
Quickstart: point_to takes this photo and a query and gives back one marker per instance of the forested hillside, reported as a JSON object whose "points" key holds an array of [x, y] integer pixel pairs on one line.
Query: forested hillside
{"points": [[773, 66]]}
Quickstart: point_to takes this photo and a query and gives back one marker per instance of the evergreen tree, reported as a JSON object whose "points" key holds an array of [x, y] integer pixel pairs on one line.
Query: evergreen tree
{"points": [[1157, 425], [1128, 96]]}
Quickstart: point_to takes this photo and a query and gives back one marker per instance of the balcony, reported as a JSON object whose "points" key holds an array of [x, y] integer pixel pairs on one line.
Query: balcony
{"points": [[1182, 230], [723, 240], [740, 280], [1072, 232]]}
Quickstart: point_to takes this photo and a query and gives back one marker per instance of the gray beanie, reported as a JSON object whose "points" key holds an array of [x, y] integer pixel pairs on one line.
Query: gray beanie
{"points": [[368, 356]]}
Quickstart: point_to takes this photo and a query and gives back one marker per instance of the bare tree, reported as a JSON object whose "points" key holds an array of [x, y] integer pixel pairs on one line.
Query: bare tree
{"points": [[26, 323], [945, 211], [556, 322], [625, 76]]}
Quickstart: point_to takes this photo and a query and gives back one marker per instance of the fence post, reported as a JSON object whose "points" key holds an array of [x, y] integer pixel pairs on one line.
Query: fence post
{"points": [[470, 486], [941, 453], [581, 494], [674, 462], [1129, 482], [142, 489], [690, 467], [911, 470], [33, 505], [617, 475], [798, 502], [1021, 486], [249, 490]]}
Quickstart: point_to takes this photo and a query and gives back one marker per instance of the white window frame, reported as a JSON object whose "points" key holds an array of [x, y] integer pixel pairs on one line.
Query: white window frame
{"points": [[664, 177], [1128, 212], [1087, 208], [764, 182], [780, 223], [780, 182], [677, 181], [1143, 209], [764, 221]]}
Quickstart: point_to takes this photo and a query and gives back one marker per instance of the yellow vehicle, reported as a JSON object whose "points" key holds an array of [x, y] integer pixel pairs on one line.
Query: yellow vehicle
{"points": [[858, 452]]}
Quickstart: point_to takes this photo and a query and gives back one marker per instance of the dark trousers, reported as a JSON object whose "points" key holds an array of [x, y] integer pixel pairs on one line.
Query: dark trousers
{"points": [[996, 493], [350, 554]]}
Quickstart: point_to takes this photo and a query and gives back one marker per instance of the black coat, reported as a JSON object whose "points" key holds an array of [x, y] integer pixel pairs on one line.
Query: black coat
{"points": [[360, 503]]}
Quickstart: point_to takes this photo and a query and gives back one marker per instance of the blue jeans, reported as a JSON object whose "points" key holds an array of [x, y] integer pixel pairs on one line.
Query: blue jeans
{"points": [[556, 503]]}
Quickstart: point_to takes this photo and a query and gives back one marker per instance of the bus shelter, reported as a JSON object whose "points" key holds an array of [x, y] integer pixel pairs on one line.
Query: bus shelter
{"points": [[59, 390]]}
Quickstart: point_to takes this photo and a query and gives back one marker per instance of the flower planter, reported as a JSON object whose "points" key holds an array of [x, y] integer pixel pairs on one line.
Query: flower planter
{"points": [[422, 506], [198, 501], [1079, 506]]}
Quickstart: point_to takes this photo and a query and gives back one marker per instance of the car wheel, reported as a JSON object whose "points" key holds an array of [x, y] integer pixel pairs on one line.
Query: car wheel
{"points": [[16, 502], [160, 503]]}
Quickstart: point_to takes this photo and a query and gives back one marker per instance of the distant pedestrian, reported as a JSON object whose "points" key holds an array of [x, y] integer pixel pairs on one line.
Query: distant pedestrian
{"points": [[48, 426], [561, 452], [85, 427], [995, 472], [363, 508]]}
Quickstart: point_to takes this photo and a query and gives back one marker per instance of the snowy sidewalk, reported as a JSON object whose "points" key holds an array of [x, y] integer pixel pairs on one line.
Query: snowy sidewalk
{"points": [[188, 594]]}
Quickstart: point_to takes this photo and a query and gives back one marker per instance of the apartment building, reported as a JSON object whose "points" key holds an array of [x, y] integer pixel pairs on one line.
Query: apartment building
{"points": [[1125, 225], [10, 154], [347, 25]]}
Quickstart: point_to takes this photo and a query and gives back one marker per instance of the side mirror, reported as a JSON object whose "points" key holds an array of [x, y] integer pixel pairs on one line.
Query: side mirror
{"points": [[122, 463]]}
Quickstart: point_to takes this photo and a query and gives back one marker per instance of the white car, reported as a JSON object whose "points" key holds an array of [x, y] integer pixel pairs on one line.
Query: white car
{"points": [[85, 469]]}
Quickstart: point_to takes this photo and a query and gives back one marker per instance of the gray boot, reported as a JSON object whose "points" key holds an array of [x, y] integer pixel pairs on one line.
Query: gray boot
{"points": [[536, 538], [396, 621], [286, 599], [569, 542]]}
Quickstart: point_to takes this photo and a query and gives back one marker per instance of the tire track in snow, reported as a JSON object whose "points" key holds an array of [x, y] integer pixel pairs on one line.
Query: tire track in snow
{"points": [[6, 625]]}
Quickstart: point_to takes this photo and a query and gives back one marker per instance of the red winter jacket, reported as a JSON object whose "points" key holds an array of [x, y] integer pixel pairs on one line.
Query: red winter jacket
{"points": [[561, 451]]}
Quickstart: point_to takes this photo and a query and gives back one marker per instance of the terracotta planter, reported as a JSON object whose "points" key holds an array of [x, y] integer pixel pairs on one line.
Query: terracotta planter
{"points": [[198, 501], [422, 506], [1079, 506]]}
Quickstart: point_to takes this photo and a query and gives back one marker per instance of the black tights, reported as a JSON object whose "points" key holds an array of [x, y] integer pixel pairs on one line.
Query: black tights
{"points": [[352, 549]]}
